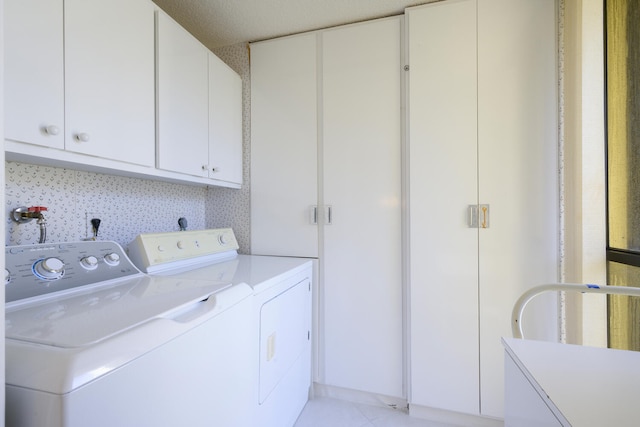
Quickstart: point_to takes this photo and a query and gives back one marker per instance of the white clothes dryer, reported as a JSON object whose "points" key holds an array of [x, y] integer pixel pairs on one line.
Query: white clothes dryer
{"points": [[282, 295]]}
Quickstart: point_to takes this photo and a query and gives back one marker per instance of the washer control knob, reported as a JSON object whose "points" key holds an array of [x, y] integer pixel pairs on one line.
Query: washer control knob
{"points": [[89, 262], [223, 239], [7, 277], [112, 259], [49, 268], [181, 244]]}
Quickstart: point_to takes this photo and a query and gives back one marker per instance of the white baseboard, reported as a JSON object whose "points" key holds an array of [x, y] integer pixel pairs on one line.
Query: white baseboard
{"points": [[455, 418], [357, 396]]}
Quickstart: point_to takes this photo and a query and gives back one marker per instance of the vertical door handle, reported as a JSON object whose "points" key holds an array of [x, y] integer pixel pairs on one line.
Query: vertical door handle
{"points": [[473, 216], [484, 216], [478, 216], [313, 215], [328, 215]]}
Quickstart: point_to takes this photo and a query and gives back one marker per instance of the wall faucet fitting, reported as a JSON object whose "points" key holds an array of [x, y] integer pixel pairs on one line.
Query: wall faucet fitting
{"points": [[26, 214]]}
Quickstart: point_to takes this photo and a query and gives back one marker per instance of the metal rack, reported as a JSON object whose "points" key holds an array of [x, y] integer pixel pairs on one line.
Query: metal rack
{"points": [[518, 308]]}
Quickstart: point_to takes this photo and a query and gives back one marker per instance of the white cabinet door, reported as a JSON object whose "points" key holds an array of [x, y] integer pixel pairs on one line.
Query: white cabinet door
{"points": [[225, 122], [182, 100], [443, 183], [361, 147], [502, 153], [284, 189], [517, 113], [109, 88], [34, 72]]}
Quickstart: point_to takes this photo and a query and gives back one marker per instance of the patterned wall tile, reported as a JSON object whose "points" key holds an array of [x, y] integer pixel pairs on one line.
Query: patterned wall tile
{"points": [[28, 185], [129, 206], [125, 206]]}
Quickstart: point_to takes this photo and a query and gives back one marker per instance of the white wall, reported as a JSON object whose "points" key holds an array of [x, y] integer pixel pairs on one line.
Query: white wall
{"points": [[584, 168]]}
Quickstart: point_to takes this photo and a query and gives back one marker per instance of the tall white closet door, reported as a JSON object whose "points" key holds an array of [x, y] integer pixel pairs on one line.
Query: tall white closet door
{"points": [[284, 168], [361, 116], [443, 183], [517, 108]]}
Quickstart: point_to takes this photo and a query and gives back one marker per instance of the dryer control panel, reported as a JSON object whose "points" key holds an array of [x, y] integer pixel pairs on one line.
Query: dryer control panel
{"points": [[35, 270], [156, 249]]}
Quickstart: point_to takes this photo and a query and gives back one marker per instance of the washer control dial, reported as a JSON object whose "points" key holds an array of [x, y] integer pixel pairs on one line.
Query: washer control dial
{"points": [[7, 277], [89, 262], [112, 259], [49, 268]]}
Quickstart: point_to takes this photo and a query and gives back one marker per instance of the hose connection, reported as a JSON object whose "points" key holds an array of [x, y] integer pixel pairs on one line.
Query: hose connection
{"points": [[26, 214]]}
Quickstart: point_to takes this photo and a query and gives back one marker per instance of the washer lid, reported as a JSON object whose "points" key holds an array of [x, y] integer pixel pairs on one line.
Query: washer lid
{"points": [[95, 313]]}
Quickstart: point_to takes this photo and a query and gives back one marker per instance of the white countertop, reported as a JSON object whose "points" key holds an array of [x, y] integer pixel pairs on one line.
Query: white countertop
{"points": [[590, 386]]}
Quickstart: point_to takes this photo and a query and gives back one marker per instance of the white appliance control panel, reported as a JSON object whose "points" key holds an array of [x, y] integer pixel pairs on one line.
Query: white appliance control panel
{"points": [[151, 251], [34, 270]]}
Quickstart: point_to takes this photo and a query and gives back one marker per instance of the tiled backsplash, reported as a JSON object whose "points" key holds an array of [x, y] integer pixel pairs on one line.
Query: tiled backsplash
{"points": [[127, 206]]}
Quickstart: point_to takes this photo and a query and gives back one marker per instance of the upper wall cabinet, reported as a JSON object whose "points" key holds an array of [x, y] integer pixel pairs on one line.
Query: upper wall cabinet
{"points": [[109, 95], [80, 92], [34, 72], [183, 100], [199, 108], [92, 93], [225, 122]]}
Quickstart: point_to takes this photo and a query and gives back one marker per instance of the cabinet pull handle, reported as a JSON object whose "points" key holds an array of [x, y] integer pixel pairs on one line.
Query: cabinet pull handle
{"points": [[52, 130], [83, 137], [329, 215], [485, 220], [478, 216], [485, 216], [313, 215], [473, 216]]}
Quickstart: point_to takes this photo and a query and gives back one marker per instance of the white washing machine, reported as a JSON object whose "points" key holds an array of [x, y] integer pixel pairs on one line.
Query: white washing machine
{"points": [[282, 289], [92, 341]]}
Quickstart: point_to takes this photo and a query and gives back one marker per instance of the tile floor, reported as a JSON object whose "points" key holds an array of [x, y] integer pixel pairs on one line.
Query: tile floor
{"points": [[327, 412]]}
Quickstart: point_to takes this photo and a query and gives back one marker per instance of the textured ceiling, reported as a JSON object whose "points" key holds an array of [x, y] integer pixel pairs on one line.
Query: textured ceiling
{"points": [[219, 23]]}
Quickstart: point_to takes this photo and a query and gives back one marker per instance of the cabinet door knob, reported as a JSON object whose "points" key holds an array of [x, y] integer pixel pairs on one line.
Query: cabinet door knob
{"points": [[52, 130], [205, 167], [83, 137], [215, 169]]}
